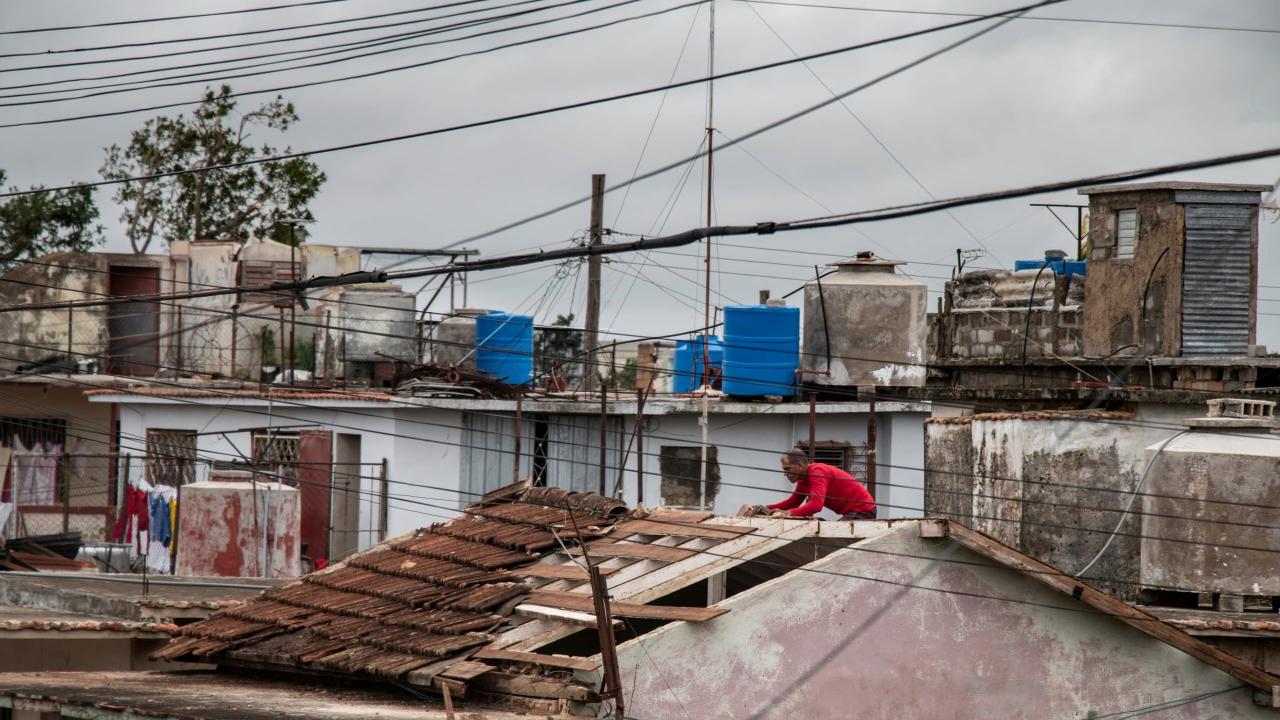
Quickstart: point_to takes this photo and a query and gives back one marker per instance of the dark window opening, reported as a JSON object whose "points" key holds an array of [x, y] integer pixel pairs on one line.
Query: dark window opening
{"points": [[33, 431], [1268, 377], [681, 469], [586, 643]]}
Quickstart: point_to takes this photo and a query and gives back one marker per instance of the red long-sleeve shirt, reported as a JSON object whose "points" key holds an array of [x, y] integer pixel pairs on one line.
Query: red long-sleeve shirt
{"points": [[826, 486]]}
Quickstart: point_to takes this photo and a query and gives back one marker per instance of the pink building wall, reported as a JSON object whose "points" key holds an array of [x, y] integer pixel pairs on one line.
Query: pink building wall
{"points": [[825, 645]]}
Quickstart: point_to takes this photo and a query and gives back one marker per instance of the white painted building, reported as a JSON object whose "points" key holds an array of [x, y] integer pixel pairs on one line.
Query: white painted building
{"points": [[396, 463]]}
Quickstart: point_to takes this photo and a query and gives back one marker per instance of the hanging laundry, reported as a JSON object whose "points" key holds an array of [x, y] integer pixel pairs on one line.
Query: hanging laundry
{"points": [[159, 535], [44, 473]]}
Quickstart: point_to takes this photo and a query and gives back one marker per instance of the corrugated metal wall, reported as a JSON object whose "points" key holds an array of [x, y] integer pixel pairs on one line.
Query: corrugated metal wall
{"points": [[573, 452], [1216, 284], [488, 442]]}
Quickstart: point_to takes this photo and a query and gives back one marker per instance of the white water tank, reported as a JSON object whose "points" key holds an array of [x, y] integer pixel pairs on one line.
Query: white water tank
{"points": [[870, 320]]}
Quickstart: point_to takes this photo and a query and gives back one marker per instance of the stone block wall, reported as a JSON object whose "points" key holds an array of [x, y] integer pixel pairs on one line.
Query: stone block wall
{"points": [[997, 333]]}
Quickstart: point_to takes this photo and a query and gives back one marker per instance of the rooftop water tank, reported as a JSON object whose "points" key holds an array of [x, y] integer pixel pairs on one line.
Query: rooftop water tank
{"points": [[690, 356], [504, 347], [866, 325], [1208, 521], [454, 339], [761, 350], [1057, 262]]}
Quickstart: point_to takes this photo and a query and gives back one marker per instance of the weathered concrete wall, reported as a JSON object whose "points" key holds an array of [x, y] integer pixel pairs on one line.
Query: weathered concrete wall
{"points": [[1114, 294], [948, 470], [239, 529], [1211, 496], [1053, 485], [57, 653], [840, 643]]}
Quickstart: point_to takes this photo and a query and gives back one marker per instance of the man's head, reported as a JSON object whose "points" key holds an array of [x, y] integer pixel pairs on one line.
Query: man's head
{"points": [[795, 464]]}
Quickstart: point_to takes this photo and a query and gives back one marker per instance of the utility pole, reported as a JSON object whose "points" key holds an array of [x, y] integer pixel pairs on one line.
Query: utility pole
{"points": [[592, 335]]}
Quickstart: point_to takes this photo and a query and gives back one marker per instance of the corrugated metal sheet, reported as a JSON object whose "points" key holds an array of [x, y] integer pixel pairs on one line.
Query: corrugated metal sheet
{"points": [[488, 442], [573, 452], [1216, 280]]}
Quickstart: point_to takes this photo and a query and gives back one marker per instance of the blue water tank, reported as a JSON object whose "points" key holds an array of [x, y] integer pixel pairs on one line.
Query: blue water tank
{"points": [[504, 347], [761, 350], [690, 356], [1058, 265]]}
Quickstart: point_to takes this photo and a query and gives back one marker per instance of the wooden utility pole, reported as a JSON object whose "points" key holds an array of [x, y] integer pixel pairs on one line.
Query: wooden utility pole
{"points": [[592, 336]]}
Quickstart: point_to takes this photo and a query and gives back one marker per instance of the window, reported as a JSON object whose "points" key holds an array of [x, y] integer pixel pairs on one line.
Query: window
{"points": [[849, 458], [277, 452], [1126, 233], [681, 468], [171, 457], [32, 431]]}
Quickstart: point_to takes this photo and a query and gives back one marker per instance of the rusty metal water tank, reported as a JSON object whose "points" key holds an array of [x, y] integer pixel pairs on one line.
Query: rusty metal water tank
{"points": [[870, 321]]}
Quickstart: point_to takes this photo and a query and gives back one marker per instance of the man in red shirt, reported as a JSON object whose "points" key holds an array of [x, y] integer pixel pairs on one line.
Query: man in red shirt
{"points": [[824, 486]]}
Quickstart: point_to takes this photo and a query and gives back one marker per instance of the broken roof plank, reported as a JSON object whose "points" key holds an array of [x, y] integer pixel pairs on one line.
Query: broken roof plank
{"points": [[532, 686], [665, 527], [642, 551], [558, 615], [567, 571], [556, 661], [666, 579], [584, 603], [465, 670], [675, 515]]}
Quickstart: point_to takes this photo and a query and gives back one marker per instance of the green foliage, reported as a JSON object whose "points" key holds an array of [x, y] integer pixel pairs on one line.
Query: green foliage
{"points": [[226, 204], [304, 353], [625, 379], [46, 222], [267, 345], [554, 347]]}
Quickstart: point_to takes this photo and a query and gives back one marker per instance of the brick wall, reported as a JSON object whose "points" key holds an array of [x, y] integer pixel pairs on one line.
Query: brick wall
{"points": [[997, 333]]}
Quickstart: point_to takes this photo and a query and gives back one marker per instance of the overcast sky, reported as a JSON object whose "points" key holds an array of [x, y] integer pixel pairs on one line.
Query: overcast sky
{"points": [[1032, 101]]}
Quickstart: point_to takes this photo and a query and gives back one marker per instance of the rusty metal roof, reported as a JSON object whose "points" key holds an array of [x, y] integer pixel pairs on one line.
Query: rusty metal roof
{"points": [[409, 602]]}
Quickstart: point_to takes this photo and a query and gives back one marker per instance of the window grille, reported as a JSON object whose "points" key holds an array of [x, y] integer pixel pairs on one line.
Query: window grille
{"points": [[277, 453], [171, 457]]}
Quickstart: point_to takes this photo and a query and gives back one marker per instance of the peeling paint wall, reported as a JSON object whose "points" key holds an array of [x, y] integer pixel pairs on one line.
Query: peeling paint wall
{"points": [[839, 644], [1052, 488]]}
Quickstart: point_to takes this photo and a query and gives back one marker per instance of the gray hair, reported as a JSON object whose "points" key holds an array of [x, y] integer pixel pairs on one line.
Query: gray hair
{"points": [[796, 456]]}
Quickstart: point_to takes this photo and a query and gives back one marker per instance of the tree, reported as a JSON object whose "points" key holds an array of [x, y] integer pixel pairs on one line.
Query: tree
{"points": [[555, 346], [45, 222], [225, 204]]}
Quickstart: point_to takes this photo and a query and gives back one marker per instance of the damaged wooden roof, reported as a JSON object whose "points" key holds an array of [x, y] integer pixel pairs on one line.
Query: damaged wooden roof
{"points": [[438, 607]]}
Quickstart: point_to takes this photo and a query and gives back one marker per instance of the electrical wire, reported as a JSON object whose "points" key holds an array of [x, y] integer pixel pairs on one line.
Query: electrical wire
{"points": [[1131, 23], [170, 18]]}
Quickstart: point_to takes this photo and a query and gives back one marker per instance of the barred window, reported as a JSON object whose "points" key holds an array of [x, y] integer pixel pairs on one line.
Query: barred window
{"points": [[171, 457]]}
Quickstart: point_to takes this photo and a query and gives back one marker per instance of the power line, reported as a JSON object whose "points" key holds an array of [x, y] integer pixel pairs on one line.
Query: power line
{"points": [[788, 3], [498, 120], [139, 21], [793, 116], [242, 33], [155, 84]]}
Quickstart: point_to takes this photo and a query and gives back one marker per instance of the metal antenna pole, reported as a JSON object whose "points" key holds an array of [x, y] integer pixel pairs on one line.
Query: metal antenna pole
{"points": [[706, 300]]}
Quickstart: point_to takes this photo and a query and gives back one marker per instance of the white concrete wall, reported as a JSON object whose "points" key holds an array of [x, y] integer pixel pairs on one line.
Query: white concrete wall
{"points": [[419, 445], [749, 447]]}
